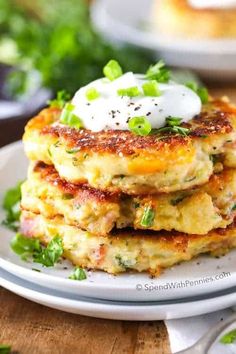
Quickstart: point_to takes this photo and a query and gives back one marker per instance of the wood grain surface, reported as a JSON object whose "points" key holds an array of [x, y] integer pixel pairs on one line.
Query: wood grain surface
{"points": [[34, 329]]}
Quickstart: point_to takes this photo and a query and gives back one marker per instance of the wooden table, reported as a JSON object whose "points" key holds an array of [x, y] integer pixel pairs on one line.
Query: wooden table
{"points": [[35, 329]]}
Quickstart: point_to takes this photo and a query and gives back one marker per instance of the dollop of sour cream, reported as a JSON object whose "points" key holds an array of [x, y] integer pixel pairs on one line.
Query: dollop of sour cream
{"points": [[213, 4], [111, 111]]}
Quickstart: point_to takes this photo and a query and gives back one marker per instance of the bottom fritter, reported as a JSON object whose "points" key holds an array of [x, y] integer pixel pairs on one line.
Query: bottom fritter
{"points": [[128, 249]]}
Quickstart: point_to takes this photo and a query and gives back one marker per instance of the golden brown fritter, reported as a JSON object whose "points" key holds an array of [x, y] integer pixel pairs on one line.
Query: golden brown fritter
{"points": [[127, 249], [119, 161], [198, 210], [178, 18]]}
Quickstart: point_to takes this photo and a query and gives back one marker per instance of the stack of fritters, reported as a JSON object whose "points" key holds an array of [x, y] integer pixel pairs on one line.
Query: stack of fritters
{"points": [[121, 201]]}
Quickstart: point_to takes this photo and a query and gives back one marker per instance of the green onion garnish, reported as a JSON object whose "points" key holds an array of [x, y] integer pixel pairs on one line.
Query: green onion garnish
{"points": [[92, 94], [130, 92], [140, 126], [229, 337], [78, 274], [112, 70], [150, 88], [148, 216], [60, 100], [158, 72], [69, 118], [202, 92]]}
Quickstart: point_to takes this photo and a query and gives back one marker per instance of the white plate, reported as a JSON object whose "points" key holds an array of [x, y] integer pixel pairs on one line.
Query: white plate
{"points": [[129, 311], [204, 275], [123, 22]]}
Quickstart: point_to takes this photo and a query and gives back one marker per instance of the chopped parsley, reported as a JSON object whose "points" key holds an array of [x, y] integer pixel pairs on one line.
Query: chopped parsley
{"points": [[78, 274], [11, 204], [229, 337], [173, 126], [148, 216], [158, 72], [27, 247]]}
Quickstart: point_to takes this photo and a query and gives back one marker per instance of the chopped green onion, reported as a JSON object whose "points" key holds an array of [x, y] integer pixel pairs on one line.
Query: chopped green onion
{"points": [[78, 274], [69, 118], [202, 92], [234, 207], [5, 349], [148, 216], [158, 72], [92, 94], [112, 70], [150, 88], [130, 91], [67, 196], [60, 100], [140, 126], [229, 337]]}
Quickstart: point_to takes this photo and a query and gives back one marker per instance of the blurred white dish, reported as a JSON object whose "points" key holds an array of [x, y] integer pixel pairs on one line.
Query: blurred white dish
{"points": [[205, 275], [128, 23], [115, 310]]}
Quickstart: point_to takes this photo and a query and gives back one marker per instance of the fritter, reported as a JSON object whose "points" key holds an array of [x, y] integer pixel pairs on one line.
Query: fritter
{"points": [[127, 250], [177, 18], [198, 210], [120, 161]]}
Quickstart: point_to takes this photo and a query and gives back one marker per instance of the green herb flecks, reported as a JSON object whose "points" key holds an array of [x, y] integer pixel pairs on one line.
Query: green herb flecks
{"points": [[11, 204], [67, 196], [229, 337], [148, 216], [78, 274], [158, 72], [61, 98]]}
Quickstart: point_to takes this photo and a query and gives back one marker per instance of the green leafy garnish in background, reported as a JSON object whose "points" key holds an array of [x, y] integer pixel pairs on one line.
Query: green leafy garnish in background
{"points": [[229, 337], [57, 39], [11, 204], [5, 349], [78, 274]]}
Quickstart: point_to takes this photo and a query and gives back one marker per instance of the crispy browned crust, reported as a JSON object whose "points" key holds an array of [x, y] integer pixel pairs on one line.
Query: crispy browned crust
{"points": [[82, 192], [215, 119]]}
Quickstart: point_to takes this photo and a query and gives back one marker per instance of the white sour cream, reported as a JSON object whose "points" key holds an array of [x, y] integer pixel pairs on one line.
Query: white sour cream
{"points": [[213, 4], [111, 111]]}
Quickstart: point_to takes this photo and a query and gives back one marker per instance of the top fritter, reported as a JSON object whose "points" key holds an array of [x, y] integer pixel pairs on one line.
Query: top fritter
{"points": [[154, 151]]}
